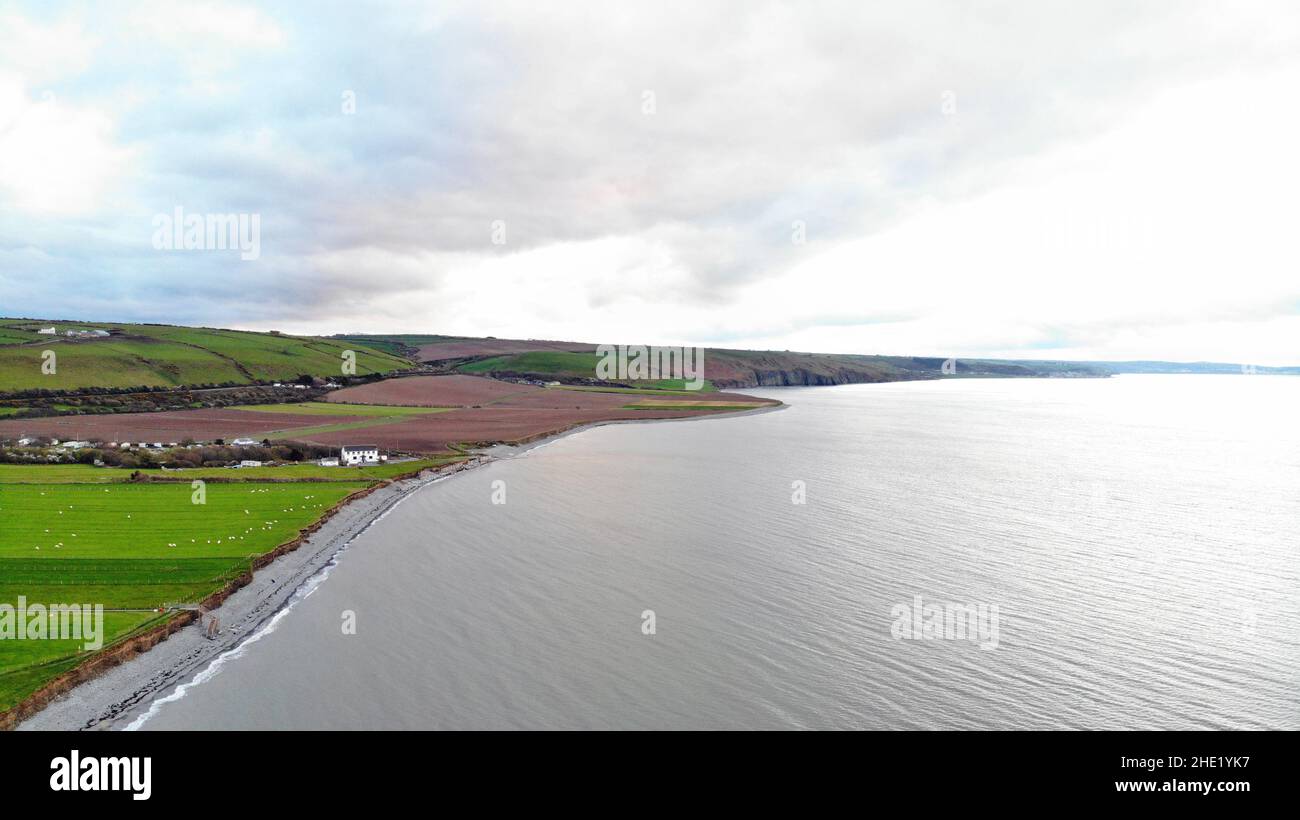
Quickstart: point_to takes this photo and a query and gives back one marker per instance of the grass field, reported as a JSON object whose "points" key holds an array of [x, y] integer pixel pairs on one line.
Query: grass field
{"points": [[86, 474], [134, 546], [9, 336], [170, 356]]}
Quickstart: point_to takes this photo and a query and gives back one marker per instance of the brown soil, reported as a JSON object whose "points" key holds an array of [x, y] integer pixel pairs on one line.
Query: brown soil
{"points": [[431, 391]]}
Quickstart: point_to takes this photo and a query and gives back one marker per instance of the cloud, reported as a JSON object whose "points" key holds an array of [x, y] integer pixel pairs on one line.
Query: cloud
{"points": [[967, 177]]}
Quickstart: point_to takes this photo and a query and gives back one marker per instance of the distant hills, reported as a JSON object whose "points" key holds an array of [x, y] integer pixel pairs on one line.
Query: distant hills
{"points": [[157, 356], [731, 369]]}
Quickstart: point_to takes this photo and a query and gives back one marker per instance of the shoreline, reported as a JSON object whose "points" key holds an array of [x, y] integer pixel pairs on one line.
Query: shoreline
{"points": [[111, 697], [173, 657]]}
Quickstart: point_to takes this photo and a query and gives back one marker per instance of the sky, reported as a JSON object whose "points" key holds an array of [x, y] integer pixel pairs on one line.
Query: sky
{"points": [[1100, 180]]}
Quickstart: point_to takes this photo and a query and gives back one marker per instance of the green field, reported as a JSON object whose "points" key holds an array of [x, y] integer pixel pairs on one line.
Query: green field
{"points": [[544, 363], [170, 356], [134, 546], [86, 474], [377, 472], [8, 336]]}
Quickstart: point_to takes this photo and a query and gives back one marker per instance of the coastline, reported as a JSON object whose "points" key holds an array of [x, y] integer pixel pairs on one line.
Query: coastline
{"points": [[171, 657], [110, 696]]}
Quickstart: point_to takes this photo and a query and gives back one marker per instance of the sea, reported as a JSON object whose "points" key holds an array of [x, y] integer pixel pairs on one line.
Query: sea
{"points": [[1118, 553]]}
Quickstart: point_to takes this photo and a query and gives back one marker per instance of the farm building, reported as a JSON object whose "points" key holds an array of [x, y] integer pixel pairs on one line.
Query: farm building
{"points": [[329, 462], [48, 331], [360, 454]]}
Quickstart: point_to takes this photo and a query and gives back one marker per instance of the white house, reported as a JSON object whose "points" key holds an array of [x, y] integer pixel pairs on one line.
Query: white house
{"points": [[329, 462], [48, 331], [250, 463], [354, 454], [244, 442]]}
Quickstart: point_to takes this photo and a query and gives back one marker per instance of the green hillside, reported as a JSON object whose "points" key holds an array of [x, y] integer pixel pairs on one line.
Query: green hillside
{"points": [[731, 369], [168, 356]]}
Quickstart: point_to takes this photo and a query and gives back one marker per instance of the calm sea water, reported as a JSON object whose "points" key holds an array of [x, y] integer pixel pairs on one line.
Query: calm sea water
{"points": [[1137, 534]]}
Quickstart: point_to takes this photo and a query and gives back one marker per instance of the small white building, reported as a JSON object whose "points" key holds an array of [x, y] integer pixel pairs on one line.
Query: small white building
{"points": [[329, 462], [48, 331], [353, 454], [244, 442], [23, 442], [250, 463]]}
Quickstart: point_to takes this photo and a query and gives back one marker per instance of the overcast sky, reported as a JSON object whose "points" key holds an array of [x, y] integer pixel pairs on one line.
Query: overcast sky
{"points": [[1027, 179]]}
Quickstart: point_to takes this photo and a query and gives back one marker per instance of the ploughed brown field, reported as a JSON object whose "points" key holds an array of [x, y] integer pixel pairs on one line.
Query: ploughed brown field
{"points": [[431, 391], [505, 412], [172, 425], [494, 347]]}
